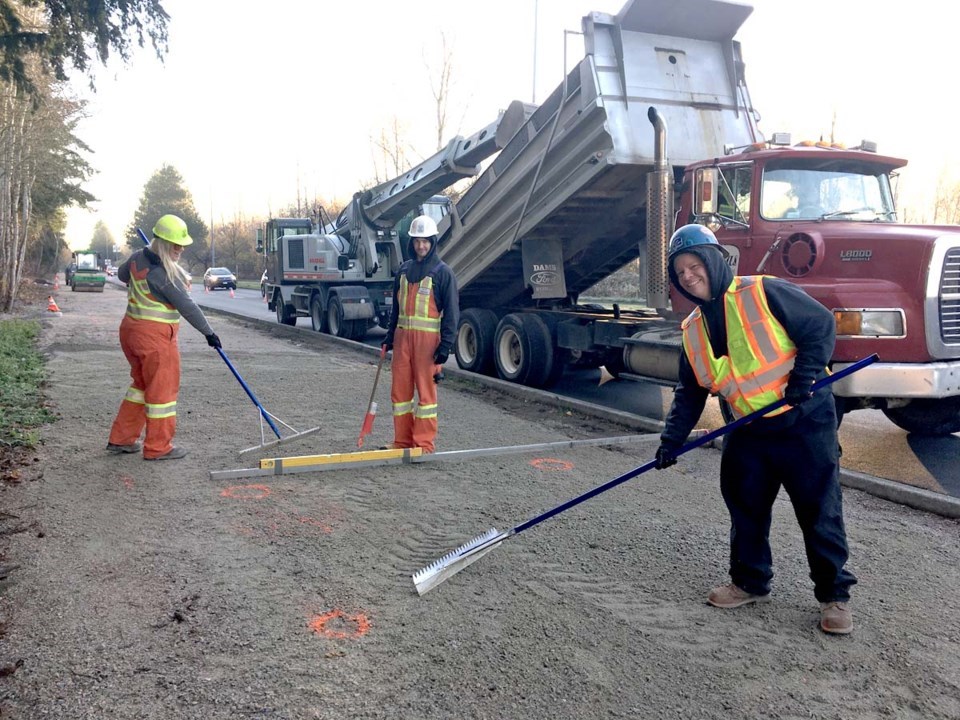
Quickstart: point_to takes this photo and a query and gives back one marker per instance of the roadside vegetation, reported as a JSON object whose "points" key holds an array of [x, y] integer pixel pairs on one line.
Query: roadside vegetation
{"points": [[23, 409]]}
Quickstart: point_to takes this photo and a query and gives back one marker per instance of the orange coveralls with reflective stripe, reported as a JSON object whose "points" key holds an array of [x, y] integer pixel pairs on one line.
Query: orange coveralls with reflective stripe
{"points": [[148, 337], [417, 338]]}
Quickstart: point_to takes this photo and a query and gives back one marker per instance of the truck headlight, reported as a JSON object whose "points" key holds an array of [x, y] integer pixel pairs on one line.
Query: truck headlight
{"points": [[869, 323]]}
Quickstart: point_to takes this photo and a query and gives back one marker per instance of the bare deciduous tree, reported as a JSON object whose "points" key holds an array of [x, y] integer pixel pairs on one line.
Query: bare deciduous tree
{"points": [[946, 207], [390, 156]]}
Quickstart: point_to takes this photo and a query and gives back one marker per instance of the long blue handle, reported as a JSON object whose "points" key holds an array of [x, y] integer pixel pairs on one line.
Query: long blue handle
{"points": [[253, 397], [143, 237], [693, 444]]}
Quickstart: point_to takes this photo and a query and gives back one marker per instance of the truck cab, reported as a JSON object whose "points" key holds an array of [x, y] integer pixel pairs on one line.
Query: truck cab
{"points": [[824, 217]]}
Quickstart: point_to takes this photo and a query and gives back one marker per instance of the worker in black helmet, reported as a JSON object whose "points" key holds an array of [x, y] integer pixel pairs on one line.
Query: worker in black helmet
{"points": [[755, 340]]}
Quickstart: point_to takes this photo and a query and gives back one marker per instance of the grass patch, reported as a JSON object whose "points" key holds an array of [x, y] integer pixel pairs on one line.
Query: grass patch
{"points": [[23, 407]]}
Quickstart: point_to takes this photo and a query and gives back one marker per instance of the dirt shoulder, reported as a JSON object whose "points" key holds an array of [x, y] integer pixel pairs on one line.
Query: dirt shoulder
{"points": [[148, 590]]}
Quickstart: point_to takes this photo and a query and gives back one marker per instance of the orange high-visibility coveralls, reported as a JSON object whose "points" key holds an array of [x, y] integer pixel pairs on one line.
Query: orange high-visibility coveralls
{"points": [[148, 337], [417, 338]]}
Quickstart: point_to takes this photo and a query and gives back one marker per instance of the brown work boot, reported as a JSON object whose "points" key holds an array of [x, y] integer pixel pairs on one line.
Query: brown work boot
{"points": [[730, 596], [836, 618]]}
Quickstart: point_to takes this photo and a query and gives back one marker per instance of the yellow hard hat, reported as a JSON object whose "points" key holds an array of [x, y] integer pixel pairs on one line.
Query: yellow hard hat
{"points": [[172, 229]]}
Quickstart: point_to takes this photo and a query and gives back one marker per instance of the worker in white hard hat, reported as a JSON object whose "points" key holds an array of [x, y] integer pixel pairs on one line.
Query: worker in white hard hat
{"points": [[422, 331], [157, 296]]}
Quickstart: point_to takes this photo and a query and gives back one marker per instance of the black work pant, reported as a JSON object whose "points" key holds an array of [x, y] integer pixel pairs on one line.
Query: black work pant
{"points": [[804, 459]]}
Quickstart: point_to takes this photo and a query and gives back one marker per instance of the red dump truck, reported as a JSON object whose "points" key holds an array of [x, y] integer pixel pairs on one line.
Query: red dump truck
{"points": [[653, 129]]}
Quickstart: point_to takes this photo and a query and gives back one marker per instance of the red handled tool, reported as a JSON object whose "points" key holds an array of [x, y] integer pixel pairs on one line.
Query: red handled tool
{"points": [[367, 427]]}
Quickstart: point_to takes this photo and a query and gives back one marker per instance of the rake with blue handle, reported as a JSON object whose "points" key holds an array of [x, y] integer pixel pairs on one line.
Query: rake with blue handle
{"points": [[468, 553]]}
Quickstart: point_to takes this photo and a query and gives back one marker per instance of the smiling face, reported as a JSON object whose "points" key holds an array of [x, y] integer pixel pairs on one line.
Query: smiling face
{"points": [[421, 246], [692, 274]]}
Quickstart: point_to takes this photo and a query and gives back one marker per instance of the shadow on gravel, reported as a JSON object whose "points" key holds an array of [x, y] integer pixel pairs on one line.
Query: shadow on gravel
{"points": [[938, 455]]}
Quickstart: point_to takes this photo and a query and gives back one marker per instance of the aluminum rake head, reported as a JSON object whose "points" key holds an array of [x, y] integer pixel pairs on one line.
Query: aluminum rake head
{"points": [[453, 562]]}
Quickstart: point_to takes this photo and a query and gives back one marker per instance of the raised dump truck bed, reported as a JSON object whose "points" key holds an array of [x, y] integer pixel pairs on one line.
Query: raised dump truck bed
{"points": [[587, 152]]}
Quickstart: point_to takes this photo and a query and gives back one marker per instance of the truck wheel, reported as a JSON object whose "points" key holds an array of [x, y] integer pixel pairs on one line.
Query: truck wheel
{"points": [[475, 339], [335, 322], [318, 318], [523, 349], [286, 315], [936, 418], [356, 329]]}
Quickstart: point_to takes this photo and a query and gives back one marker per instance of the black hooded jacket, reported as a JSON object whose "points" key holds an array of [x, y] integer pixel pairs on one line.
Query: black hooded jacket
{"points": [[445, 291], [809, 324]]}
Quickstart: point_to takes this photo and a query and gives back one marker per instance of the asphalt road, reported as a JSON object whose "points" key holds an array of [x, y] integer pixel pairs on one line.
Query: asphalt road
{"points": [[872, 445]]}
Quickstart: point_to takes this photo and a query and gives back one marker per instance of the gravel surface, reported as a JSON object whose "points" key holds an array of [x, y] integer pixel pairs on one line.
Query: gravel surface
{"points": [[148, 590]]}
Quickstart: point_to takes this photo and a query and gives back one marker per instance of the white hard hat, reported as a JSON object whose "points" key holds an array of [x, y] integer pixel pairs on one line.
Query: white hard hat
{"points": [[423, 226]]}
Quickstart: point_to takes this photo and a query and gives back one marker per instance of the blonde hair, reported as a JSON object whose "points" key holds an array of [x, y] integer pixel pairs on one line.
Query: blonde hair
{"points": [[176, 273]]}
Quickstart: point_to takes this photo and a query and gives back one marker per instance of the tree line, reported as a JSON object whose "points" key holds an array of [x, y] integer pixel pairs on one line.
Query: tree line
{"points": [[42, 163]]}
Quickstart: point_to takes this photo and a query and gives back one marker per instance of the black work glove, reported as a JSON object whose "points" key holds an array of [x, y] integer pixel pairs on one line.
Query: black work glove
{"points": [[797, 393], [438, 377], [441, 355], [213, 341], [665, 457]]}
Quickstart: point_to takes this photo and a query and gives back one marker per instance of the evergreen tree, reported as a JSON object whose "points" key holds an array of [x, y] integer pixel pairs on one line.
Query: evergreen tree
{"points": [[165, 194], [63, 33], [103, 241]]}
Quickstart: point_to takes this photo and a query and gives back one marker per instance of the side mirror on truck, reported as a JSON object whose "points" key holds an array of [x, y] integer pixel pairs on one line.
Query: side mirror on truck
{"points": [[260, 240], [705, 191]]}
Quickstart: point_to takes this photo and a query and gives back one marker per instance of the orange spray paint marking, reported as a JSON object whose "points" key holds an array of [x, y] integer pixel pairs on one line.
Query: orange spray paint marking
{"points": [[356, 625], [246, 492], [127, 481], [551, 465]]}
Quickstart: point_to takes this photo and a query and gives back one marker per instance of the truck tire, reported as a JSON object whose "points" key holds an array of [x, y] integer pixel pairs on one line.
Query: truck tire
{"points": [[523, 350], [934, 418], [475, 338], [318, 318], [286, 315], [335, 322]]}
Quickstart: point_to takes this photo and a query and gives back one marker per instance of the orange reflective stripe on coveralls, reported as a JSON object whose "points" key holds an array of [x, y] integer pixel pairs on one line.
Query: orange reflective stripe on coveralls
{"points": [[148, 337], [760, 354], [416, 340]]}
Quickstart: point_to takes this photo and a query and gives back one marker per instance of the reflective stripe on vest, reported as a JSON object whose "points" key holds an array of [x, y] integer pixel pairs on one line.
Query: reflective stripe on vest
{"points": [[418, 310], [142, 305], [760, 354]]}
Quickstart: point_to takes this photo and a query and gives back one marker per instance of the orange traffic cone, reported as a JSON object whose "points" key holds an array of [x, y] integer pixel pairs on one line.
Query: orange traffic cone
{"points": [[52, 306], [231, 293], [56, 281]]}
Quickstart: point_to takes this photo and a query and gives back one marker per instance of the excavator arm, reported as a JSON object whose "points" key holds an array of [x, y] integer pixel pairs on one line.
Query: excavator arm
{"points": [[379, 209]]}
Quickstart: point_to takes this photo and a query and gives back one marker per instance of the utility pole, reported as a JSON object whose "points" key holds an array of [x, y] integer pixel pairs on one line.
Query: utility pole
{"points": [[533, 93], [213, 253]]}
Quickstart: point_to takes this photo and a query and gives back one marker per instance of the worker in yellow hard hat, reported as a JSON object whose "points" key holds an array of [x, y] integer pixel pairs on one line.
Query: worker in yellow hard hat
{"points": [[157, 288]]}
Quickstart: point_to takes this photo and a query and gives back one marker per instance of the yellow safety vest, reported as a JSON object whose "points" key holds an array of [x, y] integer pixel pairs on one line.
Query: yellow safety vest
{"points": [[760, 354], [416, 310], [142, 305]]}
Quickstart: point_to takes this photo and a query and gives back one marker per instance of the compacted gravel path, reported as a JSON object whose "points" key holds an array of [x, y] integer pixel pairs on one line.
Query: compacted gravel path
{"points": [[148, 590]]}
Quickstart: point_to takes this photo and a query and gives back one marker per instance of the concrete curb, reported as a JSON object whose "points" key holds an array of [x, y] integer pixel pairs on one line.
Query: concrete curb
{"points": [[917, 498]]}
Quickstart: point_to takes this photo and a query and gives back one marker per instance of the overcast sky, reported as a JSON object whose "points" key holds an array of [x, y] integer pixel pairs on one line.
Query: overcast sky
{"points": [[254, 101]]}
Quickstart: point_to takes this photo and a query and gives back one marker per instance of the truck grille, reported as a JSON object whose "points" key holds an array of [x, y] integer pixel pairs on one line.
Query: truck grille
{"points": [[950, 297]]}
